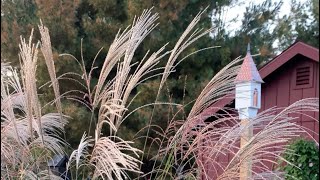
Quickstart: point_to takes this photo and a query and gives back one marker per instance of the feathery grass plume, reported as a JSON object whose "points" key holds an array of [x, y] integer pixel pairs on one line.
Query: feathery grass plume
{"points": [[10, 136], [46, 50], [28, 62], [220, 86], [50, 124], [81, 155], [180, 135], [183, 42], [27, 136], [13, 135], [108, 156], [86, 77], [124, 82], [19, 151], [120, 53], [112, 97], [30, 175], [7, 114], [111, 158], [115, 53]]}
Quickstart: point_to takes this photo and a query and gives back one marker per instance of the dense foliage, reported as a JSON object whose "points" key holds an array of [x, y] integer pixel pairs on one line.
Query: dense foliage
{"points": [[304, 156]]}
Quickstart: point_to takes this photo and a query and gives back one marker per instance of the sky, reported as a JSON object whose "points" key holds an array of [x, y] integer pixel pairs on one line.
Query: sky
{"points": [[238, 10], [230, 14]]}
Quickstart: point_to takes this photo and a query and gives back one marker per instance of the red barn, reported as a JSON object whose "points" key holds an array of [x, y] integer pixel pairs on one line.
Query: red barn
{"points": [[291, 76]]}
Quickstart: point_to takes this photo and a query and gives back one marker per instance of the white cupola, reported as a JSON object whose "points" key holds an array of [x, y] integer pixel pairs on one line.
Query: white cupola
{"points": [[248, 88]]}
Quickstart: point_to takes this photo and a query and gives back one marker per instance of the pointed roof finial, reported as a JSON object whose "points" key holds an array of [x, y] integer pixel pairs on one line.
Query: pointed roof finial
{"points": [[248, 71]]}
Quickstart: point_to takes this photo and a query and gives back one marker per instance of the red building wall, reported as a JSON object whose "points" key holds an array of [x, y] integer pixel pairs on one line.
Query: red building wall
{"points": [[280, 90]]}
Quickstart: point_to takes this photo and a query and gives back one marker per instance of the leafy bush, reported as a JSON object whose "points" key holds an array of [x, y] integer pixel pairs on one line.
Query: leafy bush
{"points": [[304, 156]]}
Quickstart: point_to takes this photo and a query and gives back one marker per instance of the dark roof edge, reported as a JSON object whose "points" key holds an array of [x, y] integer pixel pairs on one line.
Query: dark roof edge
{"points": [[283, 57], [286, 55]]}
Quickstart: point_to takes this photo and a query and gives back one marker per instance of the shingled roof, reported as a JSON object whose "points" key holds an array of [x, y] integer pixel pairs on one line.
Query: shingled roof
{"points": [[248, 70]]}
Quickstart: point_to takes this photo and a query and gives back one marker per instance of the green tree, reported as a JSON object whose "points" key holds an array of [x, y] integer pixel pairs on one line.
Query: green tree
{"points": [[255, 29], [301, 24], [17, 18]]}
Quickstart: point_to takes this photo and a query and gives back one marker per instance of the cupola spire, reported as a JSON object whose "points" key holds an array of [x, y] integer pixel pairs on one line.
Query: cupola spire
{"points": [[248, 71]]}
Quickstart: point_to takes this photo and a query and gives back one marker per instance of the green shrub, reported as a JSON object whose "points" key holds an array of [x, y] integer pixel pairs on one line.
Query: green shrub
{"points": [[303, 154]]}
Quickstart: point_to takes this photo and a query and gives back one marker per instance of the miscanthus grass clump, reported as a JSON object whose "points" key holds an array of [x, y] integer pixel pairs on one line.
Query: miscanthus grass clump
{"points": [[30, 138]]}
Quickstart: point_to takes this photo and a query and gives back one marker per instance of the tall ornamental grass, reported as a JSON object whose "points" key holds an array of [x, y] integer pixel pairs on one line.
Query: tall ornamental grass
{"points": [[30, 138]]}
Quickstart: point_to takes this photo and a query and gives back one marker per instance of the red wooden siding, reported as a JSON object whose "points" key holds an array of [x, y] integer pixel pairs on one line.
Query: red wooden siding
{"points": [[279, 89]]}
